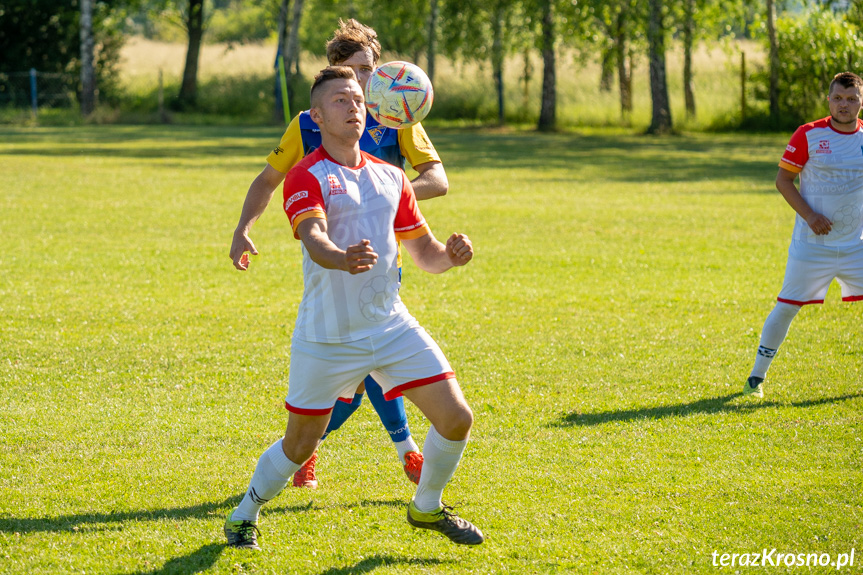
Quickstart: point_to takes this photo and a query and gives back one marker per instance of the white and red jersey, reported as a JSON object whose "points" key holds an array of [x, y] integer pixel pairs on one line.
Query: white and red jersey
{"points": [[830, 164], [373, 201]]}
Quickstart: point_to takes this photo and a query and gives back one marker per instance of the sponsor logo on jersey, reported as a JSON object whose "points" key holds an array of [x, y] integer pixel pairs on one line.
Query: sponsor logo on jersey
{"points": [[377, 133], [790, 148], [278, 150], [296, 197], [823, 147], [335, 185]]}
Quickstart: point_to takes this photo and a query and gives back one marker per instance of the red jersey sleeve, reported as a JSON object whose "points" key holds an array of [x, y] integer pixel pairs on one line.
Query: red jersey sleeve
{"points": [[409, 222], [796, 152], [303, 198]]}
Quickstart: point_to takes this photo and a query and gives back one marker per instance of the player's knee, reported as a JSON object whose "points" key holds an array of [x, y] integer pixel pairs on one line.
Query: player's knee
{"points": [[458, 424], [786, 311], [299, 449]]}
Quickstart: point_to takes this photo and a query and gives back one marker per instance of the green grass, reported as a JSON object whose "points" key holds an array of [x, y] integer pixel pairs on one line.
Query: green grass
{"points": [[601, 335]]}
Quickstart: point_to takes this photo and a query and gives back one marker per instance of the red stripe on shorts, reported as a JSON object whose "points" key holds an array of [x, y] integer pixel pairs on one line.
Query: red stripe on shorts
{"points": [[853, 298], [800, 303], [397, 391], [302, 411]]}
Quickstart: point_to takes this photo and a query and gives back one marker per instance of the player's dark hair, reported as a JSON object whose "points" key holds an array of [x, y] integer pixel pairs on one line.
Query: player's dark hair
{"points": [[350, 38], [327, 74], [846, 80]]}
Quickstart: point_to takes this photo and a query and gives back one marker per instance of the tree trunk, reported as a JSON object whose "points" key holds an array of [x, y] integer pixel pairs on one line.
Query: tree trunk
{"points": [[688, 40], [88, 76], [279, 109], [624, 75], [432, 39], [292, 50], [773, 88], [195, 27], [607, 63], [497, 60], [526, 74], [660, 122], [547, 112]]}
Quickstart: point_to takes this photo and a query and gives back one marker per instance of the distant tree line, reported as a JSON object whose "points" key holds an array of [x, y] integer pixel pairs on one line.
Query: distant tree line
{"points": [[805, 44]]}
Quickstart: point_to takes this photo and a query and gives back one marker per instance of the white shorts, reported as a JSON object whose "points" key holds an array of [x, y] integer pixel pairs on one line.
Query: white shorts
{"points": [[806, 282], [398, 359]]}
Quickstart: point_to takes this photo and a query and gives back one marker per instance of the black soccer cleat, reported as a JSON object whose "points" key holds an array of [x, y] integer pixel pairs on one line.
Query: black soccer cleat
{"points": [[445, 521], [241, 534]]}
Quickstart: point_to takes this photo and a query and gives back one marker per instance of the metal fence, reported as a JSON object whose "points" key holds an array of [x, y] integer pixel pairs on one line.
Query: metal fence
{"points": [[36, 90]]}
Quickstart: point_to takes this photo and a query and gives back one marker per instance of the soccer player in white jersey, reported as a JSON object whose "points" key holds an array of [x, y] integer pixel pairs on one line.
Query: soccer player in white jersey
{"points": [[349, 209], [827, 241]]}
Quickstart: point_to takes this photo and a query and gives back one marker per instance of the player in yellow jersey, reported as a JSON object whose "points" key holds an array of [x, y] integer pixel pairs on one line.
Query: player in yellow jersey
{"points": [[356, 46]]}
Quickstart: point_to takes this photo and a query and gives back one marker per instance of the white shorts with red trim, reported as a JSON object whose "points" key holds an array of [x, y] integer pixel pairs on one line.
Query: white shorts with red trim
{"points": [[806, 282], [398, 359]]}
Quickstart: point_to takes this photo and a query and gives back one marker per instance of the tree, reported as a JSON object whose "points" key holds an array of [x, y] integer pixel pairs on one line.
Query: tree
{"points": [[292, 54], [88, 76], [289, 49], [823, 44], [548, 107], [620, 20], [660, 122], [45, 35], [688, 41], [431, 51], [773, 62], [194, 25], [703, 20], [482, 30]]}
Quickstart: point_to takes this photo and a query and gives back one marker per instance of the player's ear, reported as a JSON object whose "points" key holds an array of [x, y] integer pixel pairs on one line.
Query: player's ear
{"points": [[315, 115]]}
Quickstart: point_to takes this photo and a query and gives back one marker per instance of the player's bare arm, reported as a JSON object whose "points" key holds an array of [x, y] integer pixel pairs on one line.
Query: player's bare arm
{"points": [[257, 199], [432, 256], [356, 259], [431, 181], [818, 223]]}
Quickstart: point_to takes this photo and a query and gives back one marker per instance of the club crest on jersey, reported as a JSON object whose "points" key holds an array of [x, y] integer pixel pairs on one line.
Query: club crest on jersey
{"points": [[335, 186], [377, 133], [823, 147]]}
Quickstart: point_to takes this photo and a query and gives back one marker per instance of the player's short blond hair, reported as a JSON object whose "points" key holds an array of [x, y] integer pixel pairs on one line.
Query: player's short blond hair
{"points": [[352, 37]]}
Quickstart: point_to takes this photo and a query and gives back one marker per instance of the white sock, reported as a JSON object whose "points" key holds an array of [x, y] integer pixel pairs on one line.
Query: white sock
{"points": [[772, 335], [440, 459], [407, 445], [271, 475]]}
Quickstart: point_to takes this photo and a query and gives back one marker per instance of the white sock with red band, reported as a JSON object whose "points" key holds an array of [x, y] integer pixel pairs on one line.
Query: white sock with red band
{"points": [[271, 475], [440, 459]]}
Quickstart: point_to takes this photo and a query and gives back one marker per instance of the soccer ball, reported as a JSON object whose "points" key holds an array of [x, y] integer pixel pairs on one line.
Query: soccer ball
{"points": [[399, 94]]}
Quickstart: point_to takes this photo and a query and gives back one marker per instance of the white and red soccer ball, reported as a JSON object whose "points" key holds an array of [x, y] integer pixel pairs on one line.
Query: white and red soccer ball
{"points": [[398, 94]]}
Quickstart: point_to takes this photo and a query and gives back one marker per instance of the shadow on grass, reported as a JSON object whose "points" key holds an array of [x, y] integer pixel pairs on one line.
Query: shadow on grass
{"points": [[91, 522], [709, 405], [84, 522], [673, 159], [370, 564], [196, 562]]}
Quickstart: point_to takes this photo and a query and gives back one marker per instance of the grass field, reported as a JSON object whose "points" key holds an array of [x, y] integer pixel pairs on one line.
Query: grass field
{"points": [[601, 335]]}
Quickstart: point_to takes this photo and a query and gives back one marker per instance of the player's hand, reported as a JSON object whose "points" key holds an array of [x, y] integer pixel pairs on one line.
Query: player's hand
{"points": [[459, 249], [819, 224], [360, 257], [239, 246]]}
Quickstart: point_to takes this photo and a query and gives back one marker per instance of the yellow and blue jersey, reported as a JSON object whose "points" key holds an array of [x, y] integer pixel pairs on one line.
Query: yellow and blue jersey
{"points": [[396, 147]]}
